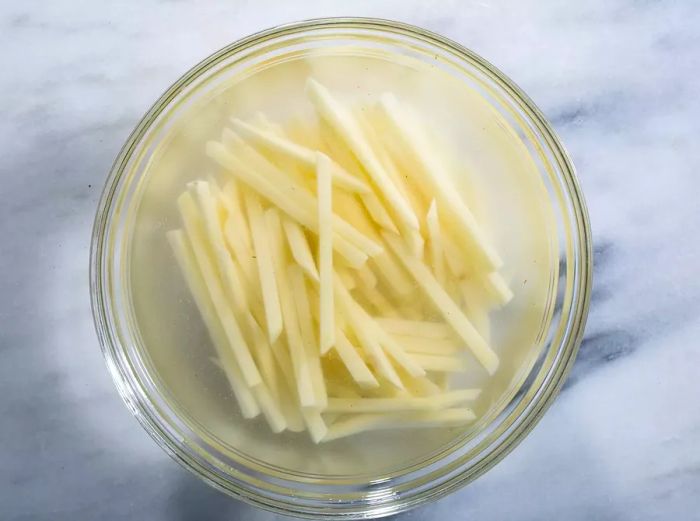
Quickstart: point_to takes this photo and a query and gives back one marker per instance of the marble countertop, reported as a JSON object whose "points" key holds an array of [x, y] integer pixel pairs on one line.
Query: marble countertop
{"points": [[619, 80]]}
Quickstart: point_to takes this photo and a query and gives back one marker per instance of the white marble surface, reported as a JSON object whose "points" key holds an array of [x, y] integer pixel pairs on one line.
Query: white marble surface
{"points": [[619, 80]]}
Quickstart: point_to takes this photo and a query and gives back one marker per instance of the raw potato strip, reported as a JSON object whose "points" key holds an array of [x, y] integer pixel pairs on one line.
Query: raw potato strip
{"points": [[393, 274], [227, 269], [437, 256], [266, 271], [425, 419], [195, 281], [296, 190], [417, 328], [300, 247], [289, 313], [301, 298], [366, 336], [476, 310], [366, 277], [378, 213], [403, 125], [344, 123], [380, 405], [325, 253], [451, 313], [307, 156], [314, 423], [364, 320], [353, 361], [193, 227], [377, 300], [447, 364], [428, 346], [236, 231], [498, 289], [293, 207]]}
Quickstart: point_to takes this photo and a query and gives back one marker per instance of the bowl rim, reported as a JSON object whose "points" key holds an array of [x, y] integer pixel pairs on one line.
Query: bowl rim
{"points": [[506, 441]]}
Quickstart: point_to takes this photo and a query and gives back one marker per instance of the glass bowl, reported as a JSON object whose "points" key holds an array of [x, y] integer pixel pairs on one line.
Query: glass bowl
{"points": [[332, 495]]}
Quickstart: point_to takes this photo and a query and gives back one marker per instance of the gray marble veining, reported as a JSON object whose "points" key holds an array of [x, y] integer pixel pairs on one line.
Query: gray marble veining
{"points": [[618, 79]]}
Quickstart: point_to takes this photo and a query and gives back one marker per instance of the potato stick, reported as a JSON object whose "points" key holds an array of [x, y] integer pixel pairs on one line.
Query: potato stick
{"points": [[231, 199], [270, 409], [325, 253], [286, 384], [264, 123], [498, 289], [379, 405], [453, 258], [315, 424], [299, 247], [437, 256], [393, 274], [448, 364], [289, 312], [366, 277], [449, 310], [377, 211], [262, 353], [266, 270], [358, 423], [195, 281], [298, 191], [340, 390], [441, 379], [301, 298], [420, 387], [305, 155], [347, 279], [428, 346], [449, 198], [345, 124], [394, 349], [353, 361], [375, 297], [475, 307], [194, 230], [212, 228], [294, 208], [417, 328], [366, 334]]}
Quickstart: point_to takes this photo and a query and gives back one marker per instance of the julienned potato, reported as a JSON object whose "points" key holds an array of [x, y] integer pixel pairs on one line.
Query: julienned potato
{"points": [[306, 255]]}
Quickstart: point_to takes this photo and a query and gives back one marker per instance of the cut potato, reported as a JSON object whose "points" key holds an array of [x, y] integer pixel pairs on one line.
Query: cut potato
{"points": [[404, 126], [358, 423], [425, 345], [295, 209], [266, 271], [188, 264], [437, 255], [343, 122], [416, 328], [297, 351], [194, 230], [305, 155], [300, 247], [376, 405], [442, 301], [340, 275], [442, 363], [325, 253], [353, 362], [301, 298]]}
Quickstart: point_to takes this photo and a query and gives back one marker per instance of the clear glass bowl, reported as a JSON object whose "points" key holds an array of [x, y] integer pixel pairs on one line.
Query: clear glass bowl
{"points": [[331, 496]]}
